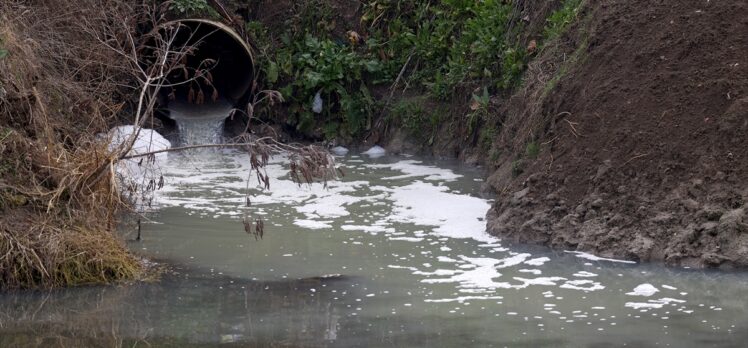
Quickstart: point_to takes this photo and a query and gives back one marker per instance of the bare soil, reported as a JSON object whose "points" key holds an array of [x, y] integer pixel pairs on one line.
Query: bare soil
{"points": [[644, 141]]}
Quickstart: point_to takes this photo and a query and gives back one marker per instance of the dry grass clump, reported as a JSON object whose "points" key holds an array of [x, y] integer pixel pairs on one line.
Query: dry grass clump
{"points": [[59, 87], [49, 255]]}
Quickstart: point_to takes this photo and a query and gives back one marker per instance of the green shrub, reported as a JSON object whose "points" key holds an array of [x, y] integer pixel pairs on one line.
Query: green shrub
{"points": [[333, 70], [189, 6], [479, 106], [532, 150], [434, 45], [517, 167], [486, 136], [559, 20]]}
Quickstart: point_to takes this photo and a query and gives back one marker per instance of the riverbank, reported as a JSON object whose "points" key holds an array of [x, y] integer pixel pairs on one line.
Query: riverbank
{"points": [[624, 138], [59, 87], [642, 149]]}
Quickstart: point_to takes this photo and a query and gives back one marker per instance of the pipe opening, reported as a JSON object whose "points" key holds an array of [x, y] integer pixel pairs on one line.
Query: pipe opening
{"points": [[217, 71]]}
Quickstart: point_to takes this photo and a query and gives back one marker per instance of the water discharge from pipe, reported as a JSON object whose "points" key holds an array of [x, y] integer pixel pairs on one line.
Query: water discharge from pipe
{"points": [[215, 77], [200, 124]]}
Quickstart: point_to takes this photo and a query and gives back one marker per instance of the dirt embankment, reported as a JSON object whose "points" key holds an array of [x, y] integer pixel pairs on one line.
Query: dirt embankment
{"points": [[643, 137]]}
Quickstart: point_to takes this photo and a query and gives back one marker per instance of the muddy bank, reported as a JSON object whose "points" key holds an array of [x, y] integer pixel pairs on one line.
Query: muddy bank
{"points": [[642, 140], [625, 138]]}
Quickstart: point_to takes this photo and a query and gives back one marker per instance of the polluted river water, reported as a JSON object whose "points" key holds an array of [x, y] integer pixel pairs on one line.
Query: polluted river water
{"points": [[393, 254]]}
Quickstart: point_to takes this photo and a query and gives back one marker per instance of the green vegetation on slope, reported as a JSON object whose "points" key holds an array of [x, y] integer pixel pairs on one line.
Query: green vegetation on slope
{"points": [[433, 47]]}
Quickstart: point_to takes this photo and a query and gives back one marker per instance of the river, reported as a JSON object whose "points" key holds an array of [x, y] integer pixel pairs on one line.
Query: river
{"points": [[394, 254]]}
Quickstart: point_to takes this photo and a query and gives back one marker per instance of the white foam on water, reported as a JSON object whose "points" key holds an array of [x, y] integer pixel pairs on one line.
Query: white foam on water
{"points": [[438, 272], [584, 285], [654, 304], [407, 239], [447, 219], [646, 290], [446, 259], [462, 299], [375, 152], [139, 171], [542, 281], [538, 261], [643, 305], [585, 274], [339, 151], [312, 224], [369, 229], [415, 169], [513, 260], [452, 215], [591, 257]]}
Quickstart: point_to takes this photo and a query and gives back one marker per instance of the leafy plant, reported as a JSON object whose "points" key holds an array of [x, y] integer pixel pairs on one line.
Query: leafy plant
{"points": [[479, 110], [559, 20], [532, 150], [513, 65], [434, 45], [193, 7], [517, 167], [486, 136], [311, 66]]}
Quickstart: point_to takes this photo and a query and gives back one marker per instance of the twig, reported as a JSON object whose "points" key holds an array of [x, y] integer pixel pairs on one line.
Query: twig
{"points": [[635, 157], [400, 75]]}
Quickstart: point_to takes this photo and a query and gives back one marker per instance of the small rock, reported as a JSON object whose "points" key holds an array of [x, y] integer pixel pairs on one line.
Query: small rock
{"points": [[690, 204], [736, 215], [642, 211], [709, 227], [601, 170], [591, 214], [521, 194], [558, 210], [570, 219], [713, 259], [597, 204], [580, 209], [532, 178], [710, 214], [662, 218], [691, 235], [733, 221], [616, 220], [519, 197]]}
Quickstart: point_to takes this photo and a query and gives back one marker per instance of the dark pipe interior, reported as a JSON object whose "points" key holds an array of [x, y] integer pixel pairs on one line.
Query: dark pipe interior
{"points": [[218, 66]]}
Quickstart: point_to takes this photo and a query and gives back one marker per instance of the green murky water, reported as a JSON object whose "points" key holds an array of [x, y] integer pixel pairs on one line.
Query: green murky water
{"points": [[392, 255]]}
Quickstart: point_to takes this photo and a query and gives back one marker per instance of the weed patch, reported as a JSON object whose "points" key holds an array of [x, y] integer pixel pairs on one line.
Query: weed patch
{"points": [[560, 20]]}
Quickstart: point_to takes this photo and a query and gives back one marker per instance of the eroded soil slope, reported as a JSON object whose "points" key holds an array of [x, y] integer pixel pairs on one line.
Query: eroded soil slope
{"points": [[644, 154]]}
